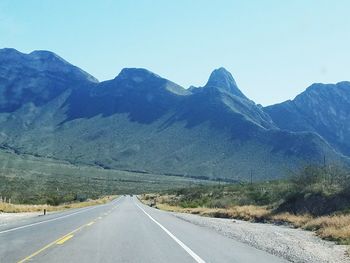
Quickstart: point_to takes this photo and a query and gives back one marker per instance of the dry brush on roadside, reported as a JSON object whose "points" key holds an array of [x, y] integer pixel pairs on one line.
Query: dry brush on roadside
{"points": [[316, 198], [21, 208], [332, 227]]}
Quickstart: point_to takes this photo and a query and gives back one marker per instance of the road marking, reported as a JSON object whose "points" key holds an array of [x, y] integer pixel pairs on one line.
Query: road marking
{"points": [[186, 248], [91, 223], [54, 219], [46, 221], [62, 240], [57, 241], [51, 244]]}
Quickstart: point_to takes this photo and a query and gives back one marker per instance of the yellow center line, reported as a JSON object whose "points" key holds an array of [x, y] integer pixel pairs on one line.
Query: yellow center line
{"points": [[58, 241], [61, 241]]}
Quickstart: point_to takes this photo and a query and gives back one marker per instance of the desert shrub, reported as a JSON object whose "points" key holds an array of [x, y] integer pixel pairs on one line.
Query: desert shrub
{"points": [[326, 180], [317, 190], [220, 203], [80, 197]]}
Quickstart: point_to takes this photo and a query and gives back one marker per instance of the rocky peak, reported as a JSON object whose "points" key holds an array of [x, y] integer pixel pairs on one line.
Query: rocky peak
{"points": [[223, 79]]}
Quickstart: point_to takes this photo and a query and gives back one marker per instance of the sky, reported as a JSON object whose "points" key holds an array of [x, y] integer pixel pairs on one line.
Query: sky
{"points": [[274, 49]]}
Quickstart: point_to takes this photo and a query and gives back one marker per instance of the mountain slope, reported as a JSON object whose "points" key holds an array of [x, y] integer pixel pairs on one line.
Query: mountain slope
{"points": [[323, 109], [37, 77], [141, 121]]}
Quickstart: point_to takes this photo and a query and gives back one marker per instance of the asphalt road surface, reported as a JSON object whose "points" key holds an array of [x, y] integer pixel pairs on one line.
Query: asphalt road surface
{"points": [[121, 231]]}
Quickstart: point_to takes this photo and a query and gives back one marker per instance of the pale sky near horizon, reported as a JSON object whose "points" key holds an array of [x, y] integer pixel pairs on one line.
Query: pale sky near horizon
{"points": [[274, 49]]}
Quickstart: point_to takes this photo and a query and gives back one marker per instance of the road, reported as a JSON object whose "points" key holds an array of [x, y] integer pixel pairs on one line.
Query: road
{"points": [[123, 230]]}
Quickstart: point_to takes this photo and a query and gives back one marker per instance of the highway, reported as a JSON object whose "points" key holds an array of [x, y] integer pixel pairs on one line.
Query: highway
{"points": [[123, 230]]}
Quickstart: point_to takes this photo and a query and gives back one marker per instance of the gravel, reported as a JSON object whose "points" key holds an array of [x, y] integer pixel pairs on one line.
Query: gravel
{"points": [[6, 218], [295, 245]]}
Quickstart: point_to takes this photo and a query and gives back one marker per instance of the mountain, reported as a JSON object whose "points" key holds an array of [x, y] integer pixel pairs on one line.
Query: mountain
{"points": [[37, 77], [323, 109], [141, 121], [222, 79]]}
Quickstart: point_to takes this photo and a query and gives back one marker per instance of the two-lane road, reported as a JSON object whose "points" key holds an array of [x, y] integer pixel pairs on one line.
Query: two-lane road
{"points": [[122, 231]]}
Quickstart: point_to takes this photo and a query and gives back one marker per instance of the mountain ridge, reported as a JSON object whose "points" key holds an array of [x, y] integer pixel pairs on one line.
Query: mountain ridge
{"points": [[141, 121], [321, 108]]}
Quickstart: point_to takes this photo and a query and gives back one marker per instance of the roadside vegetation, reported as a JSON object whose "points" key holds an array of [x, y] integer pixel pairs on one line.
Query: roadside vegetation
{"points": [[26, 179], [315, 198], [17, 208]]}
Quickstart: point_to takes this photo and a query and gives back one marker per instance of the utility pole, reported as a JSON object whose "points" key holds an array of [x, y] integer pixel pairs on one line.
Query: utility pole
{"points": [[251, 176]]}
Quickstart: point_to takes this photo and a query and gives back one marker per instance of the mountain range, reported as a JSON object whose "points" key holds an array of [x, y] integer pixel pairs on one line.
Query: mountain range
{"points": [[142, 122]]}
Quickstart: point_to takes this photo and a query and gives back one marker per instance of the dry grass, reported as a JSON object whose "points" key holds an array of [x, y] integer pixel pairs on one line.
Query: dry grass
{"points": [[295, 220], [249, 212], [14, 208], [335, 227], [328, 221]]}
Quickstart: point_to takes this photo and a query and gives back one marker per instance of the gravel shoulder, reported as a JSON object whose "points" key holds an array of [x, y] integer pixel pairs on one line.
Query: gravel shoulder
{"points": [[6, 218], [295, 245]]}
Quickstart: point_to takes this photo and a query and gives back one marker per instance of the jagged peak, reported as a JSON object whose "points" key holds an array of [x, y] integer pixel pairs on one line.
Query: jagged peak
{"points": [[223, 79]]}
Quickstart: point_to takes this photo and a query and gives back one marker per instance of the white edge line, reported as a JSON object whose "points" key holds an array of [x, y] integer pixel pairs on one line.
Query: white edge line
{"points": [[186, 248], [50, 220]]}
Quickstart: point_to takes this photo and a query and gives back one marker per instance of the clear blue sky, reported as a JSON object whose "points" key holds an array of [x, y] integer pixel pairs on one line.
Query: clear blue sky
{"points": [[274, 49]]}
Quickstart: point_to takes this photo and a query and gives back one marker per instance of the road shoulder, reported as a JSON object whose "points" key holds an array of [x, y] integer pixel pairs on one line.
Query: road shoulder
{"points": [[295, 245]]}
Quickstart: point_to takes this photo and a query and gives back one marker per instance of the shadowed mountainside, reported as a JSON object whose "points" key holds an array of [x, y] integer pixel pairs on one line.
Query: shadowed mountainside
{"points": [[323, 109], [141, 121]]}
